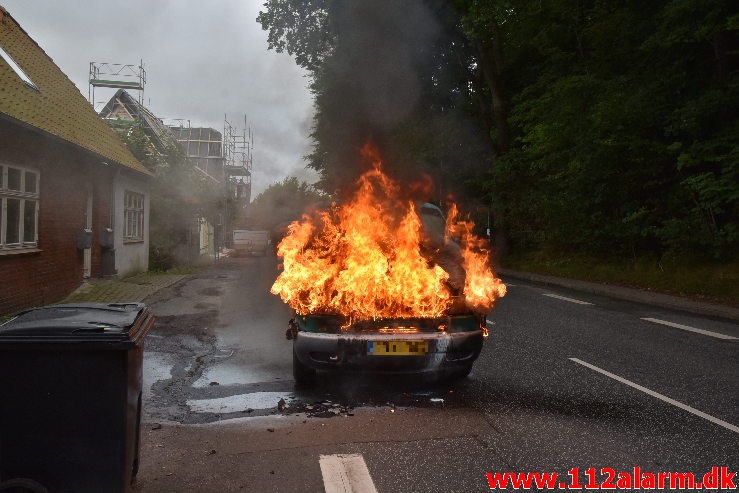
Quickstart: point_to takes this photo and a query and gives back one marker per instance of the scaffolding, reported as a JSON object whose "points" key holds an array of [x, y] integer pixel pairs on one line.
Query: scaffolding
{"points": [[116, 76], [202, 147], [237, 154]]}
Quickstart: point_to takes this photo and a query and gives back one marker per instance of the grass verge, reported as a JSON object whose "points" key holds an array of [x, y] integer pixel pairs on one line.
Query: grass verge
{"points": [[691, 278]]}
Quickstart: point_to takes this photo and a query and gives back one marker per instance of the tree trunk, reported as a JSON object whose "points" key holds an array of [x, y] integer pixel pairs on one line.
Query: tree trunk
{"points": [[491, 62]]}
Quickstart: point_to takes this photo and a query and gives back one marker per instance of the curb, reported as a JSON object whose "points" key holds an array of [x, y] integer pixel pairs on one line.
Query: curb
{"points": [[726, 312]]}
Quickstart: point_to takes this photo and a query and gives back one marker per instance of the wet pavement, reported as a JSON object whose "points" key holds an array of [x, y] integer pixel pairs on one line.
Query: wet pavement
{"points": [[217, 348], [222, 413], [218, 351]]}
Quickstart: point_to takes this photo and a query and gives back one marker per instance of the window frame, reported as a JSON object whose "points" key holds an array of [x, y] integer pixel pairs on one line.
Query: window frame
{"points": [[134, 206], [17, 69], [25, 200]]}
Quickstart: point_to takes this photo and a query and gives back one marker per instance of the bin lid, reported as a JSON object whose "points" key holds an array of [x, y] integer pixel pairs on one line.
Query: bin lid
{"points": [[78, 322]]}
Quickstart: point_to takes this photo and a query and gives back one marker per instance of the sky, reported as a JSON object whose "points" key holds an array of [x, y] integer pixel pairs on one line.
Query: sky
{"points": [[205, 61]]}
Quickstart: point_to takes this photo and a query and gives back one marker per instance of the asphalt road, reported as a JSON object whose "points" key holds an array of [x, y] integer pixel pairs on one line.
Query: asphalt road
{"points": [[565, 380]]}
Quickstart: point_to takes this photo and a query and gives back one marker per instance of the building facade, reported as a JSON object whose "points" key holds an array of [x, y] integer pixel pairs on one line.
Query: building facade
{"points": [[74, 200]]}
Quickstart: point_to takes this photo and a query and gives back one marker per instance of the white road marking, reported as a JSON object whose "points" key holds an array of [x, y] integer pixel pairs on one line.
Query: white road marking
{"points": [[571, 300], [691, 329], [488, 321], [346, 473], [659, 396]]}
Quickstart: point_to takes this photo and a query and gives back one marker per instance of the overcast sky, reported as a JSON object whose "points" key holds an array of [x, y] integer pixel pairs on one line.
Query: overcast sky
{"points": [[203, 60]]}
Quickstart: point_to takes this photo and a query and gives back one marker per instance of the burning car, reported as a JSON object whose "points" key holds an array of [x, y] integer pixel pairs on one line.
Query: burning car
{"points": [[385, 284]]}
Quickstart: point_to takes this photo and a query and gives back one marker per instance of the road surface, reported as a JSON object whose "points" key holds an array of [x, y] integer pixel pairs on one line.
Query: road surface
{"points": [[565, 380]]}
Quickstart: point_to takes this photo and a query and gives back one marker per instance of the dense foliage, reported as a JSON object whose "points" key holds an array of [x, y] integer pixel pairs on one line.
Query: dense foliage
{"points": [[608, 128]]}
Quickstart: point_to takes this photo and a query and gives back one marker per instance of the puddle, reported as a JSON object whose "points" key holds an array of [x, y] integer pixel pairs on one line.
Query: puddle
{"points": [[156, 367], [239, 403], [227, 373]]}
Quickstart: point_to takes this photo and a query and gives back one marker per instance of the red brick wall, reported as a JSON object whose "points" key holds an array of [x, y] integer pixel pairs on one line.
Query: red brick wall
{"points": [[47, 276], [102, 202]]}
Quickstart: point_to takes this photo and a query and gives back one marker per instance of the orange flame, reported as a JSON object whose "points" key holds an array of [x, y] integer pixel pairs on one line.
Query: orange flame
{"points": [[481, 287], [365, 259]]}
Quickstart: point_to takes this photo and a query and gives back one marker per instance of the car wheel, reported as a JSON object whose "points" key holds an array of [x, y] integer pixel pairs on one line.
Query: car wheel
{"points": [[302, 374]]}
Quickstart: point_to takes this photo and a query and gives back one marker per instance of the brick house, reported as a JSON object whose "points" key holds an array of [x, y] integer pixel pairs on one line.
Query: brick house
{"points": [[74, 201]]}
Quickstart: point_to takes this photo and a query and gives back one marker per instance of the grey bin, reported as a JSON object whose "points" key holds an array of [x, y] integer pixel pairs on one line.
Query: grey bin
{"points": [[70, 397]]}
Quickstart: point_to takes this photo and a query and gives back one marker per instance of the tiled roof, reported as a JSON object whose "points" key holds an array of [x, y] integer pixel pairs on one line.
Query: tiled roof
{"points": [[57, 107], [157, 131]]}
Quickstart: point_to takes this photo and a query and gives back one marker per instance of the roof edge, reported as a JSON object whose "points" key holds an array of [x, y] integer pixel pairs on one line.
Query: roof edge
{"points": [[56, 138], [18, 25]]}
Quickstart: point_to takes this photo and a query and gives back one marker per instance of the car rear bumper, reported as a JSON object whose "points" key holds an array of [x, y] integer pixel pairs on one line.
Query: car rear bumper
{"points": [[348, 352]]}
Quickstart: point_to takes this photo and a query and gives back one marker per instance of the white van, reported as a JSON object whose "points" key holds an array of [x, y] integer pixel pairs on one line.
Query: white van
{"points": [[249, 242]]}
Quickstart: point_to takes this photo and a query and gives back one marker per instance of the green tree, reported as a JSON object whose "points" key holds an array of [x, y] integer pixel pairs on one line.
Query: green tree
{"points": [[407, 89], [605, 128], [282, 203]]}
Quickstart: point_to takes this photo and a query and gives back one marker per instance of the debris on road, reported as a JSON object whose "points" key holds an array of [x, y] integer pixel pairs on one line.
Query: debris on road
{"points": [[325, 409]]}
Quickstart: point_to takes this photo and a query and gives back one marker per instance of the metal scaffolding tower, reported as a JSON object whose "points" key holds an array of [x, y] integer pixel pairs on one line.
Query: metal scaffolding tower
{"points": [[237, 153], [116, 76]]}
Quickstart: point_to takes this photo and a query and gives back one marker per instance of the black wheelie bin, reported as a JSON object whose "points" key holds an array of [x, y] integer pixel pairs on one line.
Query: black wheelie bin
{"points": [[70, 397]]}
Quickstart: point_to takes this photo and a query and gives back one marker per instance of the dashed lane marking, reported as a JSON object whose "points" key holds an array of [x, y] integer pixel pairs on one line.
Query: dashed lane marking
{"points": [[717, 335], [346, 473], [659, 396], [571, 300]]}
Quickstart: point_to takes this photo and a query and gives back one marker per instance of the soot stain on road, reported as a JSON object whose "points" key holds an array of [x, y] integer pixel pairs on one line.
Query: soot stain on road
{"points": [[190, 346]]}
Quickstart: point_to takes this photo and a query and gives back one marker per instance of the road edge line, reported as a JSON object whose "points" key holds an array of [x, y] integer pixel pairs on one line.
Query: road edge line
{"points": [[687, 328], [659, 396]]}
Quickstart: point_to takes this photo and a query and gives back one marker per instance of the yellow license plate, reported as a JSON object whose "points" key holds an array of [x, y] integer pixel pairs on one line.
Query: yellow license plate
{"points": [[397, 348]]}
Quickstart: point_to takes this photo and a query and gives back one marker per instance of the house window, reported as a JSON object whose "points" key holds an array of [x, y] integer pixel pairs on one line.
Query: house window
{"points": [[16, 68], [19, 196], [133, 216]]}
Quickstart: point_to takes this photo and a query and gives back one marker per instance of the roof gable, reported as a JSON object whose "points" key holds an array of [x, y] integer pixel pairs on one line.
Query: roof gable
{"points": [[55, 106], [122, 107]]}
